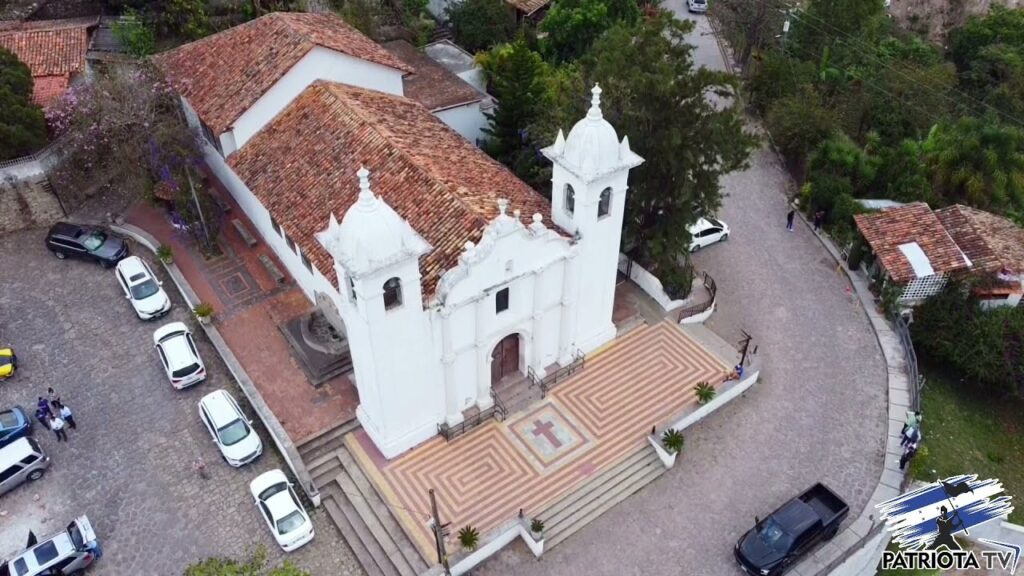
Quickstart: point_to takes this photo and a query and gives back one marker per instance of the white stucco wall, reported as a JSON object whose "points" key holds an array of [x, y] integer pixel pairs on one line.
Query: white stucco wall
{"points": [[469, 121], [318, 64]]}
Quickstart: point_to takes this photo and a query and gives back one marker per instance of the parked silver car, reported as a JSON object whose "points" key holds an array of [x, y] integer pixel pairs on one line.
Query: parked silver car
{"points": [[21, 461], [68, 552]]}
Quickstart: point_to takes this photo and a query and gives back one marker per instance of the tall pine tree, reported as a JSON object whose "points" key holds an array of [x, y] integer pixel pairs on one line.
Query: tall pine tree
{"points": [[22, 125], [517, 80]]}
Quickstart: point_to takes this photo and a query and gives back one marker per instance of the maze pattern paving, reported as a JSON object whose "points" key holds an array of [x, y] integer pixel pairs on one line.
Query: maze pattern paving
{"points": [[485, 477]]}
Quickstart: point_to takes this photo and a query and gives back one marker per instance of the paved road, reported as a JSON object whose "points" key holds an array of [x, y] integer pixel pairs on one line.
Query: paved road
{"points": [[819, 412], [128, 466]]}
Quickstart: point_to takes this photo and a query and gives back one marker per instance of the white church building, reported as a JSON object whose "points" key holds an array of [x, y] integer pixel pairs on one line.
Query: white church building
{"points": [[446, 272]]}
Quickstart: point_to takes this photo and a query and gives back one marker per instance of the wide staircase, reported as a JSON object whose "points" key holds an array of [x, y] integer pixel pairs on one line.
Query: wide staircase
{"points": [[600, 494], [355, 506], [517, 395]]}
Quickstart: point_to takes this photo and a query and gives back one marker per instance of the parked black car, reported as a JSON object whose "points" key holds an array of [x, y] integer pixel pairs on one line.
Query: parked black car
{"points": [[774, 544], [86, 242]]}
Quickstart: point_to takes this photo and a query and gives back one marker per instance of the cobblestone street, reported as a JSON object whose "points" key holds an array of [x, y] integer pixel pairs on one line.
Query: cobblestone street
{"points": [[128, 466]]}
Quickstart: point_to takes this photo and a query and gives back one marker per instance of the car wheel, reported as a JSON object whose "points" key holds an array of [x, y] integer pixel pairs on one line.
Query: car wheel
{"points": [[107, 264], [35, 475], [695, 248], [725, 237], [59, 255], [832, 533], [77, 573]]}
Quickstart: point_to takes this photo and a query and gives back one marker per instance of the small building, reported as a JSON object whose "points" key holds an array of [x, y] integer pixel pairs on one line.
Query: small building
{"points": [[53, 50], [911, 249], [995, 247], [533, 10], [456, 102]]}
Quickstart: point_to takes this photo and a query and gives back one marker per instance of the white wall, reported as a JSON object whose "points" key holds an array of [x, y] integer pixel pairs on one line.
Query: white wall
{"points": [[318, 64], [468, 120]]}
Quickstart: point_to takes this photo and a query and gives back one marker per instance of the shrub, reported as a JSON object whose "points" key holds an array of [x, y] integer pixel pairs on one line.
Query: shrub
{"points": [[479, 24], [136, 36], [22, 124], [537, 525], [469, 538], [673, 440], [203, 310], [705, 392], [164, 254], [676, 280]]}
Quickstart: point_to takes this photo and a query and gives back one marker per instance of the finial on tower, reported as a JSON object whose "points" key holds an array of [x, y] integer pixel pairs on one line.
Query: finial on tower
{"points": [[366, 198], [595, 103], [502, 205]]}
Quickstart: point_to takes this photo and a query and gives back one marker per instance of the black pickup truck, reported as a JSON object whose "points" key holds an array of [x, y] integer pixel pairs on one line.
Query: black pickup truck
{"points": [[777, 542]]}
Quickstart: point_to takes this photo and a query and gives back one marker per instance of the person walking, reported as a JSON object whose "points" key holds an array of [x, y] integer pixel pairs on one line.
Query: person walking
{"points": [[57, 425], [67, 416], [44, 405], [908, 453], [911, 435], [43, 416], [54, 399], [913, 420], [789, 220], [819, 219]]}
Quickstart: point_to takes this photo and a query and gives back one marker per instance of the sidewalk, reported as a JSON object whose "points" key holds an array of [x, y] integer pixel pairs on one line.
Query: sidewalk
{"points": [[249, 306]]}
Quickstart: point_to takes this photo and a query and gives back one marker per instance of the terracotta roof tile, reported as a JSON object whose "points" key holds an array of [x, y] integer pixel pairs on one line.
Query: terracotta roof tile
{"points": [[432, 84], [52, 49], [528, 6], [886, 230], [302, 166], [47, 89], [991, 242], [224, 74], [23, 25]]}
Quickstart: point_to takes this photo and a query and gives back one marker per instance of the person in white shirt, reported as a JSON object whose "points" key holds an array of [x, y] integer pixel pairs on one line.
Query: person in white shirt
{"points": [[65, 414], [57, 425]]}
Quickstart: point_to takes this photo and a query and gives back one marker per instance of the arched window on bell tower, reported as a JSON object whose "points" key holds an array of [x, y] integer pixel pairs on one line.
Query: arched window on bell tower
{"points": [[570, 200], [604, 205], [392, 293]]}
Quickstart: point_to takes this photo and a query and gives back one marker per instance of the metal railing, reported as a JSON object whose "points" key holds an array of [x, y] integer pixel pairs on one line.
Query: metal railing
{"points": [[497, 410], [902, 329], [548, 382], [712, 288]]}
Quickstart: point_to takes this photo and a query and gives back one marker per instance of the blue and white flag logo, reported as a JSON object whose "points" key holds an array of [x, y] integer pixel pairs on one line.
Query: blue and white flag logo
{"points": [[926, 519]]}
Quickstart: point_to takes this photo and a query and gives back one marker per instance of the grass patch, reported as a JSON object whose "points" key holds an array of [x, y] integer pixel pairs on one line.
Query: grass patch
{"points": [[967, 431]]}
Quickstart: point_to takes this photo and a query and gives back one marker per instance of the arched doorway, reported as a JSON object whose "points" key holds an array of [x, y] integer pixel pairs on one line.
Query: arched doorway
{"points": [[505, 358]]}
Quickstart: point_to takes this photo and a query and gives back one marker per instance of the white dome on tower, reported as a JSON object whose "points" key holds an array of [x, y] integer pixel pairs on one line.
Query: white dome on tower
{"points": [[371, 234], [593, 147]]}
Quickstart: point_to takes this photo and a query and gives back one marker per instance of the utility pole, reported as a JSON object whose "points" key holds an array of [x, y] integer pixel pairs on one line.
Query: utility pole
{"points": [[195, 198], [438, 529]]}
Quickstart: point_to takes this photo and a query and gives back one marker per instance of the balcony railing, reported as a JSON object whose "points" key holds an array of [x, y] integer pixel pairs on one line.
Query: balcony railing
{"points": [[559, 375], [497, 411]]}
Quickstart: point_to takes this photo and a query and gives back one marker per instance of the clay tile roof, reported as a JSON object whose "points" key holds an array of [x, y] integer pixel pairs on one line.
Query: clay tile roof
{"points": [[432, 84], [990, 241], [888, 229], [528, 6], [222, 75], [302, 167], [52, 49]]}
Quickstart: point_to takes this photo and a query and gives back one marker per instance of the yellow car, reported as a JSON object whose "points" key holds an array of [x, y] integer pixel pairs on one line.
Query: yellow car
{"points": [[8, 362]]}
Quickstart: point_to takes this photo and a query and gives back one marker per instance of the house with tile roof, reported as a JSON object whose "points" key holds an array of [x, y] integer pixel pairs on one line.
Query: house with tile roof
{"points": [[448, 276], [919, 250], [53, 50]]}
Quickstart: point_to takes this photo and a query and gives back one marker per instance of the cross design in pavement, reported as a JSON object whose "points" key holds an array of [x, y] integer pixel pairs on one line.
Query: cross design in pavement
{"points": [[547, 430]]}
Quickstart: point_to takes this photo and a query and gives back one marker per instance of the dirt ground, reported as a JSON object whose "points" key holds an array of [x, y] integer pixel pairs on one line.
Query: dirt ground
{"points": [[935, 18]]}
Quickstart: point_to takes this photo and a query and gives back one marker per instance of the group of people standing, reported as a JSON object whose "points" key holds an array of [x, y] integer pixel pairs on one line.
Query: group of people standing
{"points": [[55, 415], [911, 437]]}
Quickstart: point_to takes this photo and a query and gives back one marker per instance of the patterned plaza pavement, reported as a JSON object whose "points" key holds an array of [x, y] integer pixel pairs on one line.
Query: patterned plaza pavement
{"points": [[586, 425]]}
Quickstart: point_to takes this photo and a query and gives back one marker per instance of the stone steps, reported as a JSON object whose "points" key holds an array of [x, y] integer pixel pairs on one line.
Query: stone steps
{"points": [[375, 536], [519, 396], [567, 516], [325, 443]]}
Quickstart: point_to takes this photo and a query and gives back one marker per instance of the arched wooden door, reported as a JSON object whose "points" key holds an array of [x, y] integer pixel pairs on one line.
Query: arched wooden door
{"points": [[505, 358]]}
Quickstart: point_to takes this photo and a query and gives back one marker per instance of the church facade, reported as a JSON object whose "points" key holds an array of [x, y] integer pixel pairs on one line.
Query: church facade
{"points": [[446, 273]]}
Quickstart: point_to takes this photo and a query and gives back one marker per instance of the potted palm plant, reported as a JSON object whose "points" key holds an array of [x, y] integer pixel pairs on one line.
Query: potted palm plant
{"points": [[705, 392], [469, 538], [537, 529], [672, 440], [163, 252], [204, 312]]}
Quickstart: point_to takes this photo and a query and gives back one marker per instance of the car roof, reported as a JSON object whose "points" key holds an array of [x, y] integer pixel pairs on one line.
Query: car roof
{"points": [[168, 329], [266, 480], [220, 407], [65, 229], [131, 266], [16, 450], [281, 504], [61, 541]]}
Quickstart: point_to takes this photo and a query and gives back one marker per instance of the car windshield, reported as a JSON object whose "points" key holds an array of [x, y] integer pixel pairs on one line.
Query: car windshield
{"points": [[290, 522], [774, 536], [266, 494], [233, 433], [713, 222], [8, 419], [144, 290], [187, 370], [94, 240]]}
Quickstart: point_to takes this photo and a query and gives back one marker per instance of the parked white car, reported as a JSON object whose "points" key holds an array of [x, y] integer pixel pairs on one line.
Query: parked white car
{"points": [[707, 231], [697, 6], [141, 288], [280, 507], [179, 355], [231, 431]]}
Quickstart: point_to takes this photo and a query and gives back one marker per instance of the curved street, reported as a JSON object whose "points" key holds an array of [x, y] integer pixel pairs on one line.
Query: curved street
{"points": [[818, 413]]}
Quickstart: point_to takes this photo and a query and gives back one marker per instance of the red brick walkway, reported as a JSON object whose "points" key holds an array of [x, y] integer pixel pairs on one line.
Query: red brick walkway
{"points": [[248, 308]]}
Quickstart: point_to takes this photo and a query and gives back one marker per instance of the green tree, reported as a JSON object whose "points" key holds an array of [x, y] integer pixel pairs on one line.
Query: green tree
{"points": [[901, 173], [654, 95], [480, 24], [134, 34], [748, 27], [22, 125], [978, 162], [833, 22], [573, 25], [515, 76], [778, 75], [989, 54], [186, 18], [798, 125], [254, 565]]}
